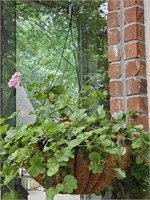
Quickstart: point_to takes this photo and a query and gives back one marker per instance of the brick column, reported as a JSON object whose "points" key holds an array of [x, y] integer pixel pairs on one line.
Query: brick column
{"points": [[126, 55]]}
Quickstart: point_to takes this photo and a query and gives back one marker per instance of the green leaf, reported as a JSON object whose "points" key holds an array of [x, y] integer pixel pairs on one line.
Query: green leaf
{"points": [[52, 166], [117, 115], [145, 137], [64, 154], [136, 144], [9, 172], [3, 129], [94, 156], [120, 174], [116, 128], [7, 145], [14, 155], [74, 143], [85, 135], [62, 101], [2, 120], [91, 118], [101, 130], [105, 93], [12, 195], [101, 112], [14, 114], [120, 141], [139, 126], [122, 151], [2, 151], [139, 159], [78, 115], [70, 184], [11, 133], [103, 137], [58, 89], [8, 178], [112, 150], [107, 142], [40, 95], [86, 88], [50, 193], [78, 130], [59, 188], [96, 165], [14, 147], [37, 165], [28, 135]]}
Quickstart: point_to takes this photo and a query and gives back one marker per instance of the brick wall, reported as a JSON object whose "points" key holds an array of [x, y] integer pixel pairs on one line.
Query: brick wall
{"points": [[126, 55]]}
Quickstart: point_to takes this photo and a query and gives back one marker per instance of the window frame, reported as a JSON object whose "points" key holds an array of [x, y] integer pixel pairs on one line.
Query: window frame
{"points": [[147, 43]]}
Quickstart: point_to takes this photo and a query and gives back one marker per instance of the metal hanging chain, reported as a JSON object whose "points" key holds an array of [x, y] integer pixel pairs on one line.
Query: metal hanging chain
{"points": [[66, 38], [75, 57], [70, 11], [65, 68]]}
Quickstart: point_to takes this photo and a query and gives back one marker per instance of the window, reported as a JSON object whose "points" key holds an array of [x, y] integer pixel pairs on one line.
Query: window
{"points": [[66, 38], [147, 28]]}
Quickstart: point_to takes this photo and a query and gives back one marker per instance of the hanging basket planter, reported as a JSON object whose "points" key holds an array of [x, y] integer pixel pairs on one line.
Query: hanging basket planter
{"points": [[87, 182], [73, 150]]}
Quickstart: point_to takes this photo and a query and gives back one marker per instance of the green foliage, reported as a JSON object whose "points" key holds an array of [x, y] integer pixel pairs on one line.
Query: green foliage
{"points": [[69, 184], [120, 174], [96, 165], [10, 195], [3, 129], [62, 125], [37, 165], [51, 192], [136, 183]]}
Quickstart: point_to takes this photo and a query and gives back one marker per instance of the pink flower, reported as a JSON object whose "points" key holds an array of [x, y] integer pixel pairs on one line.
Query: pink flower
{"points": [[16, 75], [15, 80]]}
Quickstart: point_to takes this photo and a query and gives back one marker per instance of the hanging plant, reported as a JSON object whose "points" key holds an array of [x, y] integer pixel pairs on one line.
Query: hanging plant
{"points": [[72, 148]]}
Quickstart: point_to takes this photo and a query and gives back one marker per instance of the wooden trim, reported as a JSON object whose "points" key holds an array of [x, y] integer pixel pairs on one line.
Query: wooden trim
{"points": [[147, 42], [0, 58]]}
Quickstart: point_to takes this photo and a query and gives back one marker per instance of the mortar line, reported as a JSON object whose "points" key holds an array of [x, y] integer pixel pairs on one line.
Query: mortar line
{"points": [[122, 52]]}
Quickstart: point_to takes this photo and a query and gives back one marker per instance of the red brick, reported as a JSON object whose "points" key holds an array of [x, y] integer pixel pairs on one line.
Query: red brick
{"points": [[142, 119], [114, 70], [113, 36], [133, 2], [114, 53], [134, 14], [133, 32], [113, 19], [113, 5], [116, 105], [136, 86], [135, 50], [136, 67], [137, 103], [115, 88]]}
